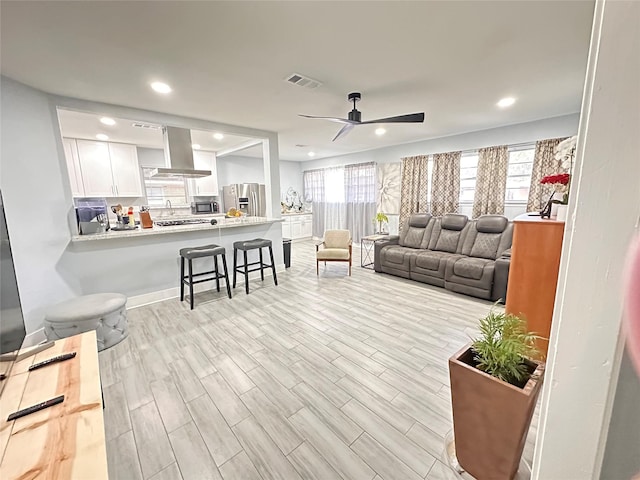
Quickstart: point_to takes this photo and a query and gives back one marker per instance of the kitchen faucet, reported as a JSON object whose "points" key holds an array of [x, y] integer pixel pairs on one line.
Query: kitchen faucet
{"points": [[168, 205]]}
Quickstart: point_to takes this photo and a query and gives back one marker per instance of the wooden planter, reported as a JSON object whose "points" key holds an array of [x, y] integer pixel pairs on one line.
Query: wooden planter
{"points": [[491, 418]]}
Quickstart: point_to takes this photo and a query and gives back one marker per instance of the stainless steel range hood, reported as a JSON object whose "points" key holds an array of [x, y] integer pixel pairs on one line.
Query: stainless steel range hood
{"points": [[178, 153]]}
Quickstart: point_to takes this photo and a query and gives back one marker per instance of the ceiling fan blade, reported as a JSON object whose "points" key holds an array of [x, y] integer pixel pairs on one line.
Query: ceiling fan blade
{"points": [[410, 118], [344, 130], [331, 119]]}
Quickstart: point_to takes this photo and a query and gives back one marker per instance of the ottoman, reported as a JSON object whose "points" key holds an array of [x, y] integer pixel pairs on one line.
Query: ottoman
{"points": [[103, 312]]}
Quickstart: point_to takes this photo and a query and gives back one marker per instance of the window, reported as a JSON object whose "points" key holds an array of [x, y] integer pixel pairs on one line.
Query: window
{"points": [[334, 184], [519, 175], [159, 190], [468, 172]]}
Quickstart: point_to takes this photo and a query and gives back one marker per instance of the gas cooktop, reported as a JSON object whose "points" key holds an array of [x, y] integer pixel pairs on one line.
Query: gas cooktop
{"points": [[171, 223]]}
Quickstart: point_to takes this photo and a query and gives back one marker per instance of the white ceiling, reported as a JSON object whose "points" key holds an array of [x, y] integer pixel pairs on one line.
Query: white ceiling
{"points": [[226, 62], [87, 125]]}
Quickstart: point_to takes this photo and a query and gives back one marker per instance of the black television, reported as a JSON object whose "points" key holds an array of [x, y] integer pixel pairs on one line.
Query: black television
{"points": [[12, 331]]}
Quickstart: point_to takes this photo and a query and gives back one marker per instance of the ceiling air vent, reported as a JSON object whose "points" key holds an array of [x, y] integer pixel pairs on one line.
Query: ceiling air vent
{"points": [[303, 81], [148, 126]]}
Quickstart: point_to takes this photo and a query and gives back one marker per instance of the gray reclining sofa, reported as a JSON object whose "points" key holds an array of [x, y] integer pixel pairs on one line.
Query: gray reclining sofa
{"points": [[462, 255]]}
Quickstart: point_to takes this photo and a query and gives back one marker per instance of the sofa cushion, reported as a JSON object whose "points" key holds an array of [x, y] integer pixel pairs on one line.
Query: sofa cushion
{"points": [[394, 254], [486, 245], [491, 223], [412, 237], [448, 241], [453, 221], [430, 263], [419, 220], [470, 267], [430, 260]]}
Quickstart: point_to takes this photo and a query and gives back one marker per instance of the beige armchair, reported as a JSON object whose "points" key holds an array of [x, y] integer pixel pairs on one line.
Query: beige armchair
{"points": [[336, 248]]}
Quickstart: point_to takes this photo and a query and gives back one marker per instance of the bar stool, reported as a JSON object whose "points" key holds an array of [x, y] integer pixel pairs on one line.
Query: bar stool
{"points": [[190, 253], [245, 246]]}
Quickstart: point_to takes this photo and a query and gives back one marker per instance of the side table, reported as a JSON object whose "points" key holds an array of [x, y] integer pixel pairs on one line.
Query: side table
{"points": [[367, 249]]}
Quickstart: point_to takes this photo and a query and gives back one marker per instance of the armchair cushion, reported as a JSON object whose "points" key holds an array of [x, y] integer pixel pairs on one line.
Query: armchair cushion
{"points": [[333, 254], [337, 239]]}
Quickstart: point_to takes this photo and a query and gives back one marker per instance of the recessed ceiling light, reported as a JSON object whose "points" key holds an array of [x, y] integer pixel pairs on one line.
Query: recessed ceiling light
{"points": [[312, 154], [195, 146], [506, 102], [102, 136], [107, 121], [218, 136], [161, 87], [380, 131]]}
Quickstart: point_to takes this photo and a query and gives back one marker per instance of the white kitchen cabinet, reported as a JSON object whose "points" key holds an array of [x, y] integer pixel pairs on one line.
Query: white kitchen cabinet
{"points": [[205, 186], [96, 168], [125, 170], [73, 166], [109, 169], [297, 226]]}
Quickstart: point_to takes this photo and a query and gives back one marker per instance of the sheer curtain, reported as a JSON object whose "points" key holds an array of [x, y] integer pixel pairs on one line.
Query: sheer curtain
{"points": [[413, 197], [334, 209], [360, 198], [445, 183], [544, 163], [314, 193], [491, 181]]}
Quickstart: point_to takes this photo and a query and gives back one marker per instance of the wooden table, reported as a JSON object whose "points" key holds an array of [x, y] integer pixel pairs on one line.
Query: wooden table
{"points": [[533, 273], [66, 441]]}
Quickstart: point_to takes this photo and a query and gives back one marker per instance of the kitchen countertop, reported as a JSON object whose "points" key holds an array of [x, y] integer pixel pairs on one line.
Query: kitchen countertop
{"points": [[291, 214], [223, 223]]}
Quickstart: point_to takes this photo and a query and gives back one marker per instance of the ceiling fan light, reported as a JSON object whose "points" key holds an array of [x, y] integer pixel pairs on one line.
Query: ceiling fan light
{"points": [[380, 131]]}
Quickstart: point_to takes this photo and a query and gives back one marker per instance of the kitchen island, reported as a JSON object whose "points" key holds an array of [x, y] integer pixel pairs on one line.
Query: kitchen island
{"points": [[143, 264]]}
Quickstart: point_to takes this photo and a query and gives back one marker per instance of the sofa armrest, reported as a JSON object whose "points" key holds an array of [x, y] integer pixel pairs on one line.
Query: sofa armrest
{"points": [[501, 277], [378, 246]]}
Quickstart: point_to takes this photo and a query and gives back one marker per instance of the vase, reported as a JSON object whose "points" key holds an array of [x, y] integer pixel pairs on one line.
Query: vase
{"points": [[557, 197], [562, 213]]}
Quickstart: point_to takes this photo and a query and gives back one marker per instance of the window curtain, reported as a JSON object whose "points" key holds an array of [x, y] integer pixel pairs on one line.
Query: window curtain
{"points": [[360, 199], [544, 163], [314, 193], [413, 196], [491, 181], [445, 183]]}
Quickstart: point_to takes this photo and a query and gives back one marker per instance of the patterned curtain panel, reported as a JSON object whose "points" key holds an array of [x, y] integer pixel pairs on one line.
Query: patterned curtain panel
{"points": [[491, 181], [445, 183], [413, 191], [544, 163], [360, 198]]}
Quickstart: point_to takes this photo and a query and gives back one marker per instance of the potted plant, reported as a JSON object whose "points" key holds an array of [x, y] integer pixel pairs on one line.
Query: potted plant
{"points": [[494, 387], [381, 218]]}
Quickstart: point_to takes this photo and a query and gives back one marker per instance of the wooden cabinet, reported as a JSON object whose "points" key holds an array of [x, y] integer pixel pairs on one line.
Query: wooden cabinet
{"points": [[109, 169], [73, 167], [205, 186], [297, 226], [533, 273]]}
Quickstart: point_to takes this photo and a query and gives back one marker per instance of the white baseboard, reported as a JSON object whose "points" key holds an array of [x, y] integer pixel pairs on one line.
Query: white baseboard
{"points": [[34, 338], [162, 295]]}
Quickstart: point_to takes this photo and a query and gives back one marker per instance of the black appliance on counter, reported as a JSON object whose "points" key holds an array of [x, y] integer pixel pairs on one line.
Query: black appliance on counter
{"points": [[204, 208]]}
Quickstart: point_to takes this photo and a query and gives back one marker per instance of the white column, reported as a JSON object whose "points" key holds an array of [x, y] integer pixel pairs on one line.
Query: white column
{"points": [[585, 345], [271, 159]]}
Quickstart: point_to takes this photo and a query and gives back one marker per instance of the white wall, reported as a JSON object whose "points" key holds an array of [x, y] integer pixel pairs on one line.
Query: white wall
{"points": [[37, 198], [38, 206], [585, 347], [563, 126], [239, 169]]}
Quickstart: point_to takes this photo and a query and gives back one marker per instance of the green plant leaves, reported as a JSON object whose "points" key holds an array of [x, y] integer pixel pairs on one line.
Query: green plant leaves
{"points": [[503, 346]]}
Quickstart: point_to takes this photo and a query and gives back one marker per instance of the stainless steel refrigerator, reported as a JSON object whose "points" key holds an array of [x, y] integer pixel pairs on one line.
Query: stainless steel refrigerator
{"points": [[249, 198]]}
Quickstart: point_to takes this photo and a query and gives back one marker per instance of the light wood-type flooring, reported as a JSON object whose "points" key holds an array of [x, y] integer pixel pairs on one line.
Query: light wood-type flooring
{"points": [[329, 377]]}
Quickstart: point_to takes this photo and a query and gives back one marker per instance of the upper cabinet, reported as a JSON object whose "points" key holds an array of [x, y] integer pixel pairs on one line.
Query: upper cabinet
{"points": [[73, 166], [108, 169], [205, 186], [125, 170]]}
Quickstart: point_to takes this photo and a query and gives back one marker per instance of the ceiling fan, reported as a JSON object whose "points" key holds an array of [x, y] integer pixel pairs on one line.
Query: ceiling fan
{"points": [[355, 115]]}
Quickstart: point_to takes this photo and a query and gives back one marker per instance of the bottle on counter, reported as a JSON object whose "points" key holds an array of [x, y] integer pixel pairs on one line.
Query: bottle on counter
{"points": [[132, 220]]}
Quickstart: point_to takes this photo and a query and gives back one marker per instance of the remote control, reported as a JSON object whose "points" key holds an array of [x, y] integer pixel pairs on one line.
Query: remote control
{"points": [[35, 408], [59, 358]]}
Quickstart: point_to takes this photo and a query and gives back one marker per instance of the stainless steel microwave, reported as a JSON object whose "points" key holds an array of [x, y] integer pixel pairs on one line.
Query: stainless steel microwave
{"points": [[198, 208]]}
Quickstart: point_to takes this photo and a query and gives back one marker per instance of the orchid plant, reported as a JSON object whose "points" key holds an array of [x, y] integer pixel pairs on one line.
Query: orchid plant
{"points": [[564, 153]]}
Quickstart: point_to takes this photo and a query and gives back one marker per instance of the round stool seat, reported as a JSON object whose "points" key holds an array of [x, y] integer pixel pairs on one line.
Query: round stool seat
{"points": [[204, 251], [103, 312], [252, 244]]}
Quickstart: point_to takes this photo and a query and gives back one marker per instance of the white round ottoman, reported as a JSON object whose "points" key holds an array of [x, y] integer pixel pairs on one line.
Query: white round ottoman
{"points": [[103, 312]]}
